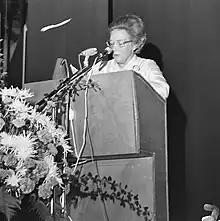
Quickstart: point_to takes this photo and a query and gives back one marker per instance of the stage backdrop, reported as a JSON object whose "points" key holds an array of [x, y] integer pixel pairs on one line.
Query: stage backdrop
{"points": [[87, 28], [187, 32]]}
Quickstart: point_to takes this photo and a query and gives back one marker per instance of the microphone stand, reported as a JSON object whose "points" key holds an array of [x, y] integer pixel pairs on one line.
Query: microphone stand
{"points": [[70, 82], [67, 87]]}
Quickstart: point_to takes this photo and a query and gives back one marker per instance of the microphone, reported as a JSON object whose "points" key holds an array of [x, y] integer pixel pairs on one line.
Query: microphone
{"points": [[107, 50], [65, 63], [89, 52]]}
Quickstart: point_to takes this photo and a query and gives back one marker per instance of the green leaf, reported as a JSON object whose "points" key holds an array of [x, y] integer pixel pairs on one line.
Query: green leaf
{"points": [[8, 204]]}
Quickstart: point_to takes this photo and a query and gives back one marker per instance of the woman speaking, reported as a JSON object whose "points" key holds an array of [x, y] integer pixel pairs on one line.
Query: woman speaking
{"points": [[126, 39]]}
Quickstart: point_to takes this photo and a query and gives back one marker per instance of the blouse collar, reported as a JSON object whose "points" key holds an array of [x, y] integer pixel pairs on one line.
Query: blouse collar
{"points": [[129, 66]]}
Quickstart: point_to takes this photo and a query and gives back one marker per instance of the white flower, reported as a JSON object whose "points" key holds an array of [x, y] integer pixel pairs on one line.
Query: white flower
{"points": [[64, 144], [21, 146], [16, 93], [18, 122], [46, 121], [8, 92], [24, 146], [59, 132], [32, 116], [24, 93], [21, 170], [2, 123], [19, 106], [14, 178], [7, 141], [53, 169]]}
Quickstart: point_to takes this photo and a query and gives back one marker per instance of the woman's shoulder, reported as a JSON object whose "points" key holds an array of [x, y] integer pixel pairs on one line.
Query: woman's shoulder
{"points": [[147, 61]]}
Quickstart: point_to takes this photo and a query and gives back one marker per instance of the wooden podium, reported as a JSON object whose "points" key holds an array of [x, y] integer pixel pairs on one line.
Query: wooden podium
{"points": [[126, 117]]}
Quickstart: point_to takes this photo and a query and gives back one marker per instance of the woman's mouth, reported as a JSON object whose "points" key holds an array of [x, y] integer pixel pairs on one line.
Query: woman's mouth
{"points": [[115, 55]]}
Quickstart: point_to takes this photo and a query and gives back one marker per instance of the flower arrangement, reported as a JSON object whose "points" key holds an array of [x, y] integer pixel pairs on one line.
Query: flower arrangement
{"points": [[28, 146]]}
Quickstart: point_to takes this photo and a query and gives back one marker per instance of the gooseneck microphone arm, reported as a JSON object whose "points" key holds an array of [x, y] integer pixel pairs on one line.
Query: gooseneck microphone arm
{"points": [[69, 82]]}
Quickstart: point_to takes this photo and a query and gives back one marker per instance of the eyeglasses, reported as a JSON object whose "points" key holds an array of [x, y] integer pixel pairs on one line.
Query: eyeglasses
{"points": [[119, 43]]}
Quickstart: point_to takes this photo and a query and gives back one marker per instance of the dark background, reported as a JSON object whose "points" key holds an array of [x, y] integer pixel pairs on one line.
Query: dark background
{"points": [[188, 35], [86, 29]]}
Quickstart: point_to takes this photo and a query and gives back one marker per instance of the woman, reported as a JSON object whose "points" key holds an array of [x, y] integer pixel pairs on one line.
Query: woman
{"points": [[126, 39]]}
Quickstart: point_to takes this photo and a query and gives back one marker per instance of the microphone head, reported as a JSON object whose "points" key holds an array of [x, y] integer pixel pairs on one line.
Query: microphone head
{"points": [[89, 52], [107, 50]]}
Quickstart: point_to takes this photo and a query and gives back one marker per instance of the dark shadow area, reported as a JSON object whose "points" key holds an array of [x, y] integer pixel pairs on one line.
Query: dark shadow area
{"points": [[14, 14], [151, 51], [25, 214], [14, 77], [176, 126]]}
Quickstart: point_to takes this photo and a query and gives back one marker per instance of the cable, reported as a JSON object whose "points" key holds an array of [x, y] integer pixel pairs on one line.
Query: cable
{"points": [[97, 169], [85, 126], [85, 130], [79, 61], [92, 149]]}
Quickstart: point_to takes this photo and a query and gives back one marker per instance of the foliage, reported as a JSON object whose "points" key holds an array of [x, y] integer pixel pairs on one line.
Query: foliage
{"points": [[40, 208], [94, 186], [8, 204]]}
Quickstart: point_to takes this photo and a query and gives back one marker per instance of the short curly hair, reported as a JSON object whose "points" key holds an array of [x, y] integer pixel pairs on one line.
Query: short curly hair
{"points": [[134, 25]]}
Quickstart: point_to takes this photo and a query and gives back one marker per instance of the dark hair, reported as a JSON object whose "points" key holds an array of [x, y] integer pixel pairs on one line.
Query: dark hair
{"points": [[134, 26]]}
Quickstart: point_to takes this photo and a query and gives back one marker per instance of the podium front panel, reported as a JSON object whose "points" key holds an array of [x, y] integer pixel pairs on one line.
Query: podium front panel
{"points": [[137, 172], [112, 125]]}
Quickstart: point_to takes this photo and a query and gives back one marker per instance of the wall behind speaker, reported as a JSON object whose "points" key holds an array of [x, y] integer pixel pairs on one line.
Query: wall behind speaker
{"points": [[87, 28]]}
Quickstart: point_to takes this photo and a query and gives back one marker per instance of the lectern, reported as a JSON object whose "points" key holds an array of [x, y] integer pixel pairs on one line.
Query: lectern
{"points": [[127, 135]]}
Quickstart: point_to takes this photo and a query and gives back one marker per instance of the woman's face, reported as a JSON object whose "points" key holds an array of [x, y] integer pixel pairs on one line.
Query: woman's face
{"points": [[122, 46]]}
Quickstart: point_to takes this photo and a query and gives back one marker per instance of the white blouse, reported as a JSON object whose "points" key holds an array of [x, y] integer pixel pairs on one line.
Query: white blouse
{"points": [[147, 68]]}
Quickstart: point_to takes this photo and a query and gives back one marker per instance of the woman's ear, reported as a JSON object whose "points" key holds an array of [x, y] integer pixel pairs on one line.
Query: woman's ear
{"points": [[140, 44], [135, 47]]}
